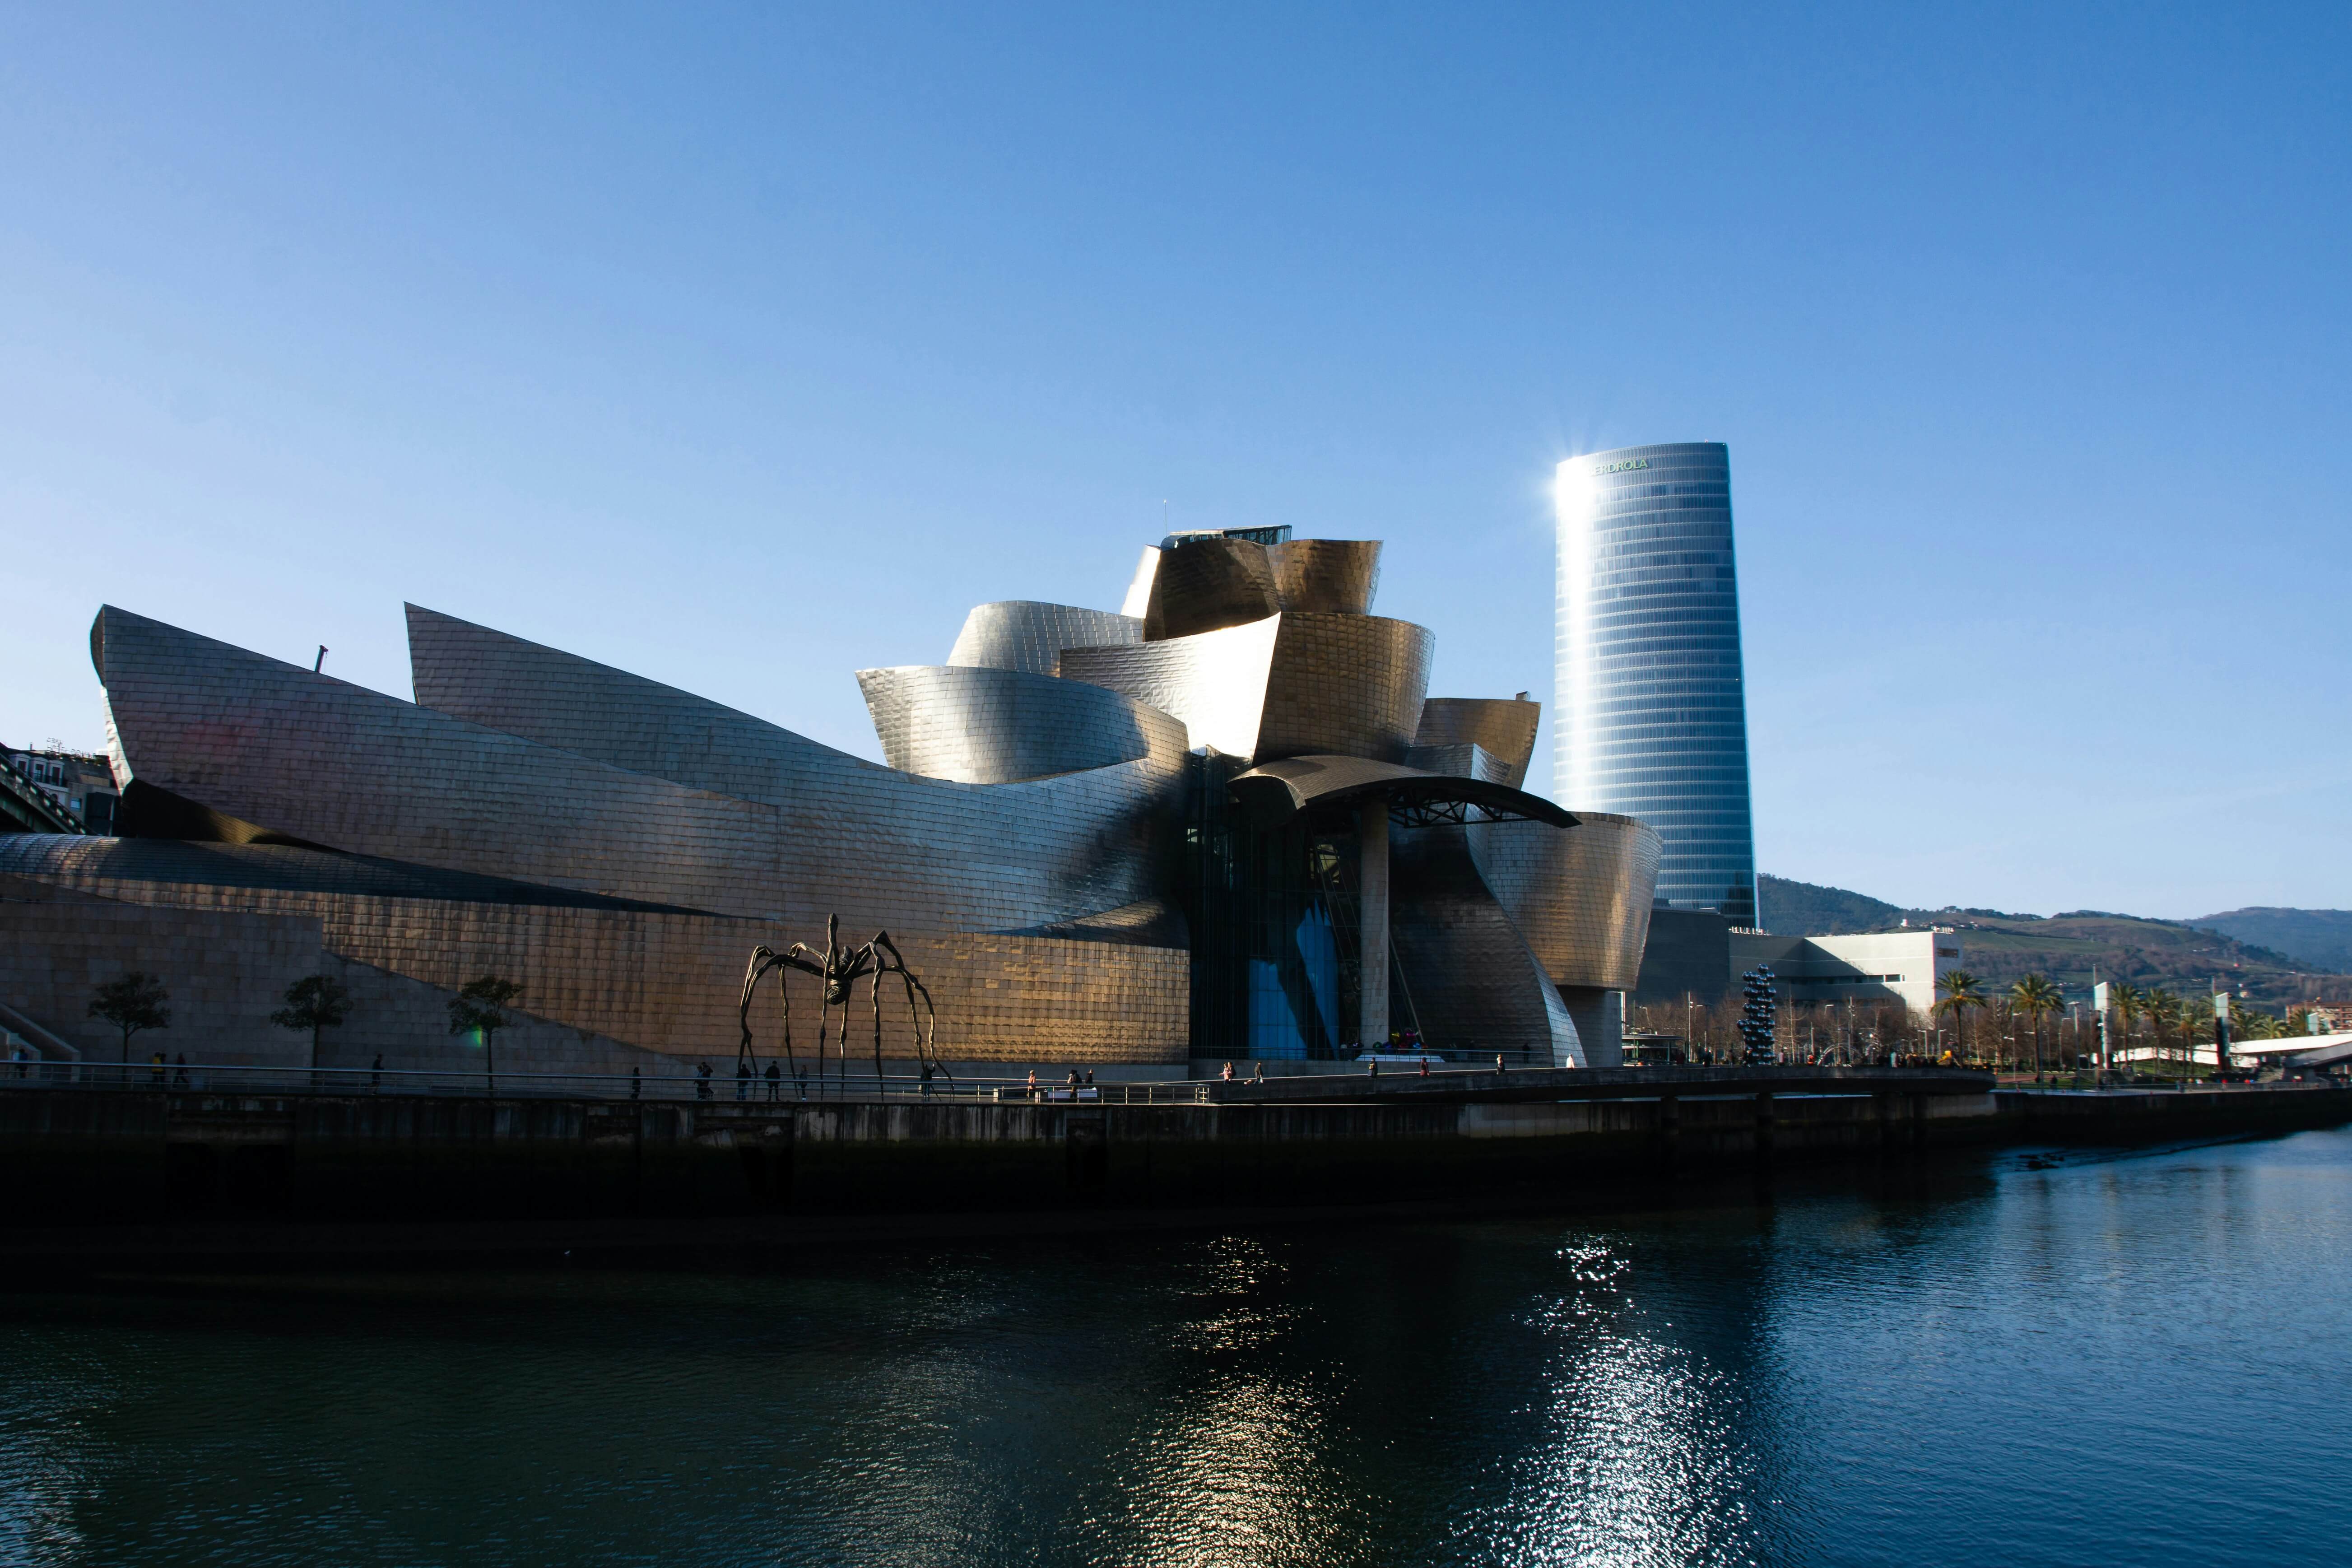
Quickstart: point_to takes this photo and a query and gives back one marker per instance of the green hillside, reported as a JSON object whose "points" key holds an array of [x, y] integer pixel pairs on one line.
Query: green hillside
{"points": [[1803, 909], [2000, 948], [2320, 938]]}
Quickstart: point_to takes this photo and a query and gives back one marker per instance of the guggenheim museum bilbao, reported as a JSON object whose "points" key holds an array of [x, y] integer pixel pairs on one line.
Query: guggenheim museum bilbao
{"points": [[1227, 822]]}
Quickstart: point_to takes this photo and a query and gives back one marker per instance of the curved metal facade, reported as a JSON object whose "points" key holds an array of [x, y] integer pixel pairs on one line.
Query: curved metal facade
{"points": [[1204, 584], [1503, 727], [1214, 683], [1028, 634], [1472, 984], [1069, 881], [563, 771], [1286, 686], [1326, 577], [1580, 895], [1351, 684], [1000, 726], [1652, 716]]}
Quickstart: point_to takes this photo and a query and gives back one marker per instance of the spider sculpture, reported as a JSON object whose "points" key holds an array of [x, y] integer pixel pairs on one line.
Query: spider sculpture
{"points": [[837, 969]]}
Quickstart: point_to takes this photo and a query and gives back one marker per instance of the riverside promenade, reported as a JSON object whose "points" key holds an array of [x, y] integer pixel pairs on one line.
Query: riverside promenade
{"points": [[141, 1168]]}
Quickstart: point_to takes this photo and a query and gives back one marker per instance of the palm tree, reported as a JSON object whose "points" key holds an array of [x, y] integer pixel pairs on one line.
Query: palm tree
{"points": [[2035, 997], [2163, 1012], [2130, 1001], [1960, 993]]}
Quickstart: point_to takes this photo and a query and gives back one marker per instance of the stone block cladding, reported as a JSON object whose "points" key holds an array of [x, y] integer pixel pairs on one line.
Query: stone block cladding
{"points": [[667, 983]]}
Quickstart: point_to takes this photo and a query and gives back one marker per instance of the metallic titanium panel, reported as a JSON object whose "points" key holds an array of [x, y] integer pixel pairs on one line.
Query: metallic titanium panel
{"points": [[996, 726], [1024, 633], [1290, 685], [1205, 584], [1349, 684], [1651, 718], [1469, 979], [1273, 791], [1214, 683], [1137, 603], [1463, 759], [253, 738], [1580, 895], [1504, 726], [1326, 577]]}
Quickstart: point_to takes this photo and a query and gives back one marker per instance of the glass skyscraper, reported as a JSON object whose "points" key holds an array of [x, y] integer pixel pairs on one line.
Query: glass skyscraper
{"points": [[1650, 717]]}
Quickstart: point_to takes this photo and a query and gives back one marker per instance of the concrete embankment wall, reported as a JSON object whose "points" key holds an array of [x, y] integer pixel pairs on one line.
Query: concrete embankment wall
{"points": [[78, 1157]]}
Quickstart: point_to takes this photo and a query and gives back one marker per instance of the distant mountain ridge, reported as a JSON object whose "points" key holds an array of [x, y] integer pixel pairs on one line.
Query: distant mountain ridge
{"points": [[1805, 908], [2321, 938], [2070, 948]]}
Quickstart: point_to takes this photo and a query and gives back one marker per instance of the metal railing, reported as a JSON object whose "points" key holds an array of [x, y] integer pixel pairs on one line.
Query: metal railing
{"points": [[719, 1087]]}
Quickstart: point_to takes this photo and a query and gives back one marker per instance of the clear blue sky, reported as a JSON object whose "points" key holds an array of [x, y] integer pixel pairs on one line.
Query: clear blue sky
{"points": [[745, 348]]}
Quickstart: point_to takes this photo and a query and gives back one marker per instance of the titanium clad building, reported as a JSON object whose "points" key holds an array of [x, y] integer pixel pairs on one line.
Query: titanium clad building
{"points": [[1652, 720], [1231, 824]]}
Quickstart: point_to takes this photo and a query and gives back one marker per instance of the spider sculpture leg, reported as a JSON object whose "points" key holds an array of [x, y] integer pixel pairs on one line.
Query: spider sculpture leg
{"points": [[760, 959], [926, 1038], [874, 996]]}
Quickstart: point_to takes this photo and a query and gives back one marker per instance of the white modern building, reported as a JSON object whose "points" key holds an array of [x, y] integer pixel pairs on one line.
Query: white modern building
{"points": [[1868, 969]]}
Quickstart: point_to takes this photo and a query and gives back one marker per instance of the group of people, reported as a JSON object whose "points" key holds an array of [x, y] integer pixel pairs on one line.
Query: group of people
{"points": [[746, 1077], [1077, 1081]]}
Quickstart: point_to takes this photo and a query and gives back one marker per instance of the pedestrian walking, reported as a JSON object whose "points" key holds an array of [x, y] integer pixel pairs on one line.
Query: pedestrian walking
{"points": [[775, 1082], [1228, 1074], [742, 1078], [1498, 1063], [179, 1069], [927, 1070], [702, 1080], [375, 1075]]}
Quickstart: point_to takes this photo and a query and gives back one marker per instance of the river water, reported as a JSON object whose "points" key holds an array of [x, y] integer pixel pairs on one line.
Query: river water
{"points": [[2081, 1358]]}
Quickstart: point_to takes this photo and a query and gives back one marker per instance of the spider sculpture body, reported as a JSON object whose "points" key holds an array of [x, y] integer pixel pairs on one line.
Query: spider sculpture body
{"points": [[835, 969]]}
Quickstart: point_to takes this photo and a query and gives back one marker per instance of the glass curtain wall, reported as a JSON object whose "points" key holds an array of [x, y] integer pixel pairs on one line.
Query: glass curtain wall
{"points": [[1650, 715], [1272, 918]]}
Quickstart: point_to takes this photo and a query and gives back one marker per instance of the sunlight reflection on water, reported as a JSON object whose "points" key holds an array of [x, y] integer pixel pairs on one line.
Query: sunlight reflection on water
{"points": [[1994, 1361]]}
